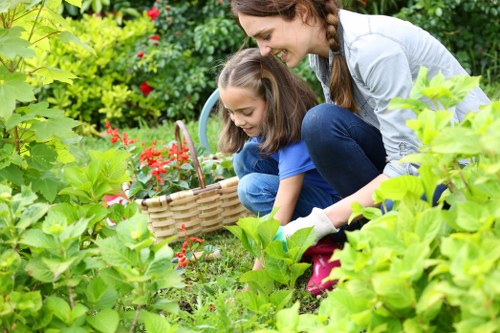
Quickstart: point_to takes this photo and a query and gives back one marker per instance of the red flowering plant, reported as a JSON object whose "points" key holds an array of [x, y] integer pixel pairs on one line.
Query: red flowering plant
{"points": [[191, 254], [165, 168]]}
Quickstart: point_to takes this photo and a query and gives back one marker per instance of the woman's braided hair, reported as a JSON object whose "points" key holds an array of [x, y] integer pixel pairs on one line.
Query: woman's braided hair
{"points": [[341, 85], [325, 11]]}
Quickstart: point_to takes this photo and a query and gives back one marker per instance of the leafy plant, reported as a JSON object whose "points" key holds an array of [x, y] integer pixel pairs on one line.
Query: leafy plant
{"points": [[281, 266], [467, 28], [35, 136], [52, 280], [106, 87], [424, 268]]}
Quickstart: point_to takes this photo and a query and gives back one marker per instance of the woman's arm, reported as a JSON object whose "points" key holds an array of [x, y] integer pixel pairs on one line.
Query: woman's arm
{"points": [[287, 197], [339, 212]]}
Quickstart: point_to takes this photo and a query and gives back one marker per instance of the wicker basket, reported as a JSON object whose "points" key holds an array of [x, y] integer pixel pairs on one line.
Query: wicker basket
{"points": [[202, 210]]}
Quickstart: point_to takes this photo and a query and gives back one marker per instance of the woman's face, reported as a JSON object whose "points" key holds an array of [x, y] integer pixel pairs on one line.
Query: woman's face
{"points": [[246, 110], [290, 41]]}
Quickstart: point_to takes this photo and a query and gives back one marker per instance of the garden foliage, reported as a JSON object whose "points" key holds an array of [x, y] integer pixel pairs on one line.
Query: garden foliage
{"points": [[159, 66], [420, 268], [35, 136], [106, 87], [282, 265], [468, 28]]}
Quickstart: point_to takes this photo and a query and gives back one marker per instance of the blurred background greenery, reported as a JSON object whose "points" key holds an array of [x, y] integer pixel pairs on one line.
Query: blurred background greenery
{"points": [[144, 64]]}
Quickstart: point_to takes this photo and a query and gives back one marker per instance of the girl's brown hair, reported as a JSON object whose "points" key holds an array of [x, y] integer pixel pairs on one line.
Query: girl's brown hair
{"points": [[325, 11], [286, 95]]}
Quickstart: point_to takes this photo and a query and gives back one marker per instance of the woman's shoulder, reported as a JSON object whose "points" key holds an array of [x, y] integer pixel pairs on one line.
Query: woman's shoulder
{"points": [[357, 26]]}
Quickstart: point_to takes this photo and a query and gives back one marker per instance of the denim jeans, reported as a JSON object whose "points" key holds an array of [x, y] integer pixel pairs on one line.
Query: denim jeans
{"points": [[258, 184], [348, 152]]}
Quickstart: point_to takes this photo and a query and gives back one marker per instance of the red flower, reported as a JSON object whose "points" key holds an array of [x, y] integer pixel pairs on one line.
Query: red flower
{"points": [[155, 39], [153, 13], [145, 88], [140, 54]]}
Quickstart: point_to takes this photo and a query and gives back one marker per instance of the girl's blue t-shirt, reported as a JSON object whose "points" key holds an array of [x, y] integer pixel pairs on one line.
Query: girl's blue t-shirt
{"points": [[294, 159]]}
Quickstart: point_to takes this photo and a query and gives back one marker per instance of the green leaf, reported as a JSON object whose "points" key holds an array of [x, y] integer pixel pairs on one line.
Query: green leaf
{"points": [[13, 87], [395, 292], [67, 37], [13, 174], [169, 279], [59, 307], [50, 75], [429, 225], [76, 3], [287, 320], [430, 302], [457, 140], [54, 128], [12, 45], [38, 270], [299, 242], [31, 215], [100, 295], [396, 188], [258, 280], [166, 305], [155, 323], [105, 321], [38, 239], [297, 270], [57, 267], [42, 157], [281, 298], [115, 253], [74, 230], [48, 185]]}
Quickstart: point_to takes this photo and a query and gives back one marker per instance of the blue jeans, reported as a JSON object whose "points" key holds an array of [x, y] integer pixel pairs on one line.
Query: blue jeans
{"points": [[348, 152], [258, 185]]}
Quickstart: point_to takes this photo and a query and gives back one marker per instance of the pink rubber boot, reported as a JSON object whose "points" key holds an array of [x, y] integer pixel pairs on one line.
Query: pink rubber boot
{"points": [[320, 255]]}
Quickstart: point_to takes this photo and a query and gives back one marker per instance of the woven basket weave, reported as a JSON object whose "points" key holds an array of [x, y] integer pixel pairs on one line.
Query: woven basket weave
{"points": [[204, 209]]}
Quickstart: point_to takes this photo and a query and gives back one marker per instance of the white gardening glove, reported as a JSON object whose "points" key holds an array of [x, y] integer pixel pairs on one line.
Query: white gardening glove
{"points": [[317, 219]]}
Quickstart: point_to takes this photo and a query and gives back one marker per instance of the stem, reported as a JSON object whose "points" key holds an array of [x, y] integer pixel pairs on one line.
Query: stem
{"points": [[46, 36], [33, 28], [16, 140], [71, 298], [136, 319], [459, 169], [36, 20]]}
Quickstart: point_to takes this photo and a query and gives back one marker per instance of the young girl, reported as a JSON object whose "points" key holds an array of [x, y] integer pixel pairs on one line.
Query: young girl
{"points": [[362, 62], [263, 104]]}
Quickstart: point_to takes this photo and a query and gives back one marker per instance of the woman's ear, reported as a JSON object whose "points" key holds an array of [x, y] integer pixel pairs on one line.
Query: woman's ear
{"points": [[303, 11]]}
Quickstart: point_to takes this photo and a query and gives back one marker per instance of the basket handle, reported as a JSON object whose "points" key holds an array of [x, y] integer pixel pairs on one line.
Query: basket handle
{"points": [[179, 125]]}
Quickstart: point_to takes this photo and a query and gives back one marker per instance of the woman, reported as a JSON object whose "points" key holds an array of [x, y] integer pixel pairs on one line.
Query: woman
{"points": [[362, 62]]}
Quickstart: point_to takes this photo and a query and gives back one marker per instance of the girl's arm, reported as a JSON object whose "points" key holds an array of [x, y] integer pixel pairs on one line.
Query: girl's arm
{"points": [[287, 197]]}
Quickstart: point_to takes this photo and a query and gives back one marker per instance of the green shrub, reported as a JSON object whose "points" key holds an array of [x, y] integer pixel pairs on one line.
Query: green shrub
{"points": [[195, 38], [468, 28], [161, 67], [106, 87], [424, 268]]}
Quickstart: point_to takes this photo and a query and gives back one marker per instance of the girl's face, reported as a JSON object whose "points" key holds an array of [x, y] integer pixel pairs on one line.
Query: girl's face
{"points": [[290, 41], [246, 110]]}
